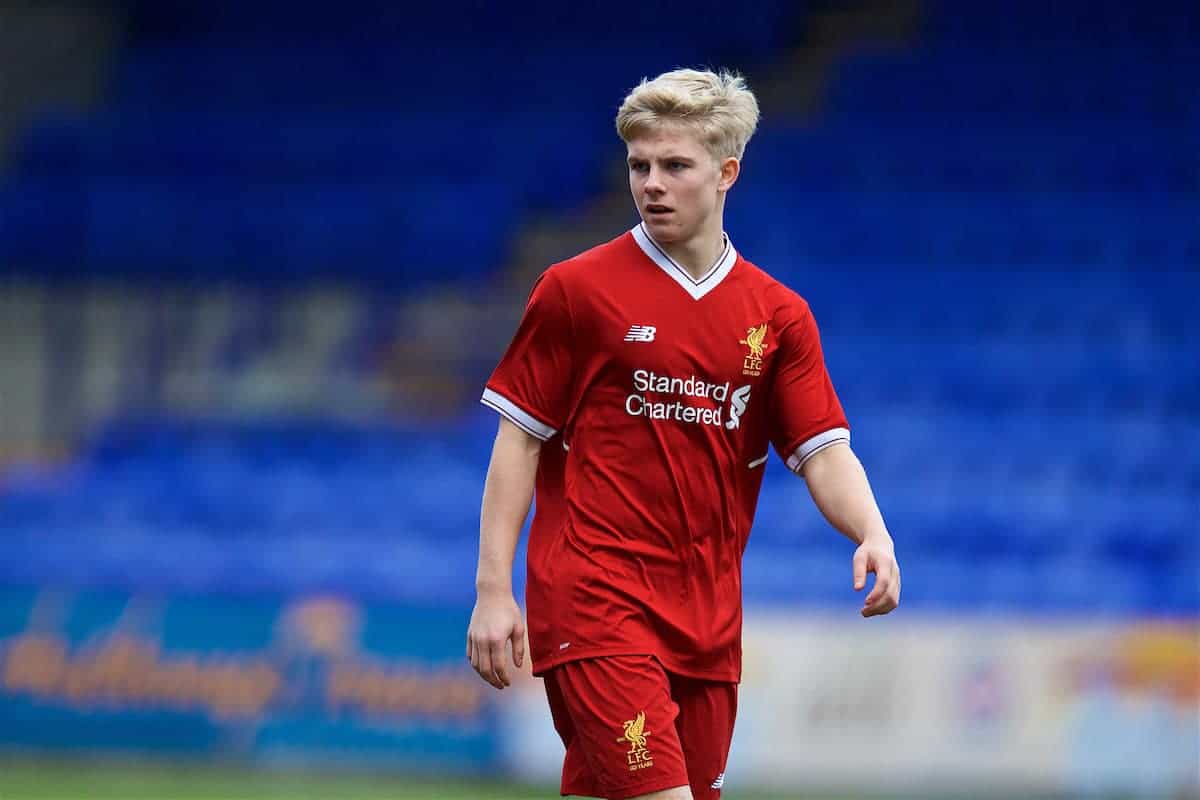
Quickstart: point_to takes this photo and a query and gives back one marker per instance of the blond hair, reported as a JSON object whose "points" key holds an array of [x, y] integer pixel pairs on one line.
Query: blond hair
{"points": [[718, 107]]}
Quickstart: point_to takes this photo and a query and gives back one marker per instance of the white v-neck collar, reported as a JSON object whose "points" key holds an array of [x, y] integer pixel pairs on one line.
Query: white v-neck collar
{"points": [[696, 288]]}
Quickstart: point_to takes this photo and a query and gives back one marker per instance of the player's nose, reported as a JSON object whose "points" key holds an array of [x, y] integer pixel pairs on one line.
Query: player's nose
{"points": [[654, 182]]}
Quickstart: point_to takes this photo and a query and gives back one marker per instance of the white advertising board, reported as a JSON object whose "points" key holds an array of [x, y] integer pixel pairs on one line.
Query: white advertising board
{"points": [[905, 703]]}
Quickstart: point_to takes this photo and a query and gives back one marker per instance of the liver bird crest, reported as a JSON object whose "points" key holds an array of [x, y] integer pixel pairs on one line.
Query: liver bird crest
{"points": [[635, 731], [755, 340]]}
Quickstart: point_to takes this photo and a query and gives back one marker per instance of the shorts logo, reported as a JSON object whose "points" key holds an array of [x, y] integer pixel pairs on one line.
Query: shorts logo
{"points": [[719, 782], [638, 756], [756, 341]]}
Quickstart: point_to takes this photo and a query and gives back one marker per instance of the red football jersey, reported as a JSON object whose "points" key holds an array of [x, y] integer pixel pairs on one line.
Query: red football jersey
{"points": [[658, 397]]}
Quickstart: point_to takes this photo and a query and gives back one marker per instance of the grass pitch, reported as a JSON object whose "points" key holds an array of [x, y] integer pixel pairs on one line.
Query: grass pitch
{"points": [[29, 779], [84, 779]]}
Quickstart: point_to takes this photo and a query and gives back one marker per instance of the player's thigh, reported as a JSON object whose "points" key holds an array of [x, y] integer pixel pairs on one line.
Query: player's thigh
{"points": [[678, 793], [623, 720], [707, 710]]}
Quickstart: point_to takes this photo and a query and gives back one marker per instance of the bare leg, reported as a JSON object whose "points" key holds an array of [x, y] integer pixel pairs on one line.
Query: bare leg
{"points": [[678, 793]]}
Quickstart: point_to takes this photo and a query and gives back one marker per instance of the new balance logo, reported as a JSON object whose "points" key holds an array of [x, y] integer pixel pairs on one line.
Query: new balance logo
{"points": [[719, 782], [641, 333]]}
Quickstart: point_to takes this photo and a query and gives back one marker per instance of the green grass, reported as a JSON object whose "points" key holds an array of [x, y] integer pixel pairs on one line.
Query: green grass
{"points": [[89, 780], [78, 779], [54, 780]]}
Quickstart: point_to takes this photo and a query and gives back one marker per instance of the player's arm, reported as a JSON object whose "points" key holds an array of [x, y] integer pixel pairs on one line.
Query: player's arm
{"points": [[839, 486], [507, 494]]}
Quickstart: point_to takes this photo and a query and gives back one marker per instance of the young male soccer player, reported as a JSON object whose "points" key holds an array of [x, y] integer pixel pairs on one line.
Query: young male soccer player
{"points": [[644, 386]]}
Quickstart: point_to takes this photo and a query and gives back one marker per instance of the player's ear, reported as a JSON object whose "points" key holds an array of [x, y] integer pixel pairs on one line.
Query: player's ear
{"points": [[730, 169]]}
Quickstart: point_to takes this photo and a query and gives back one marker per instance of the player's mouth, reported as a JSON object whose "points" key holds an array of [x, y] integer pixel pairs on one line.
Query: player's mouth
{"points": [[658, 210]]}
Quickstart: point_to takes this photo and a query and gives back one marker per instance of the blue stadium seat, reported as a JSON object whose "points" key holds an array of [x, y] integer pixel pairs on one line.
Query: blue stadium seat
{"points": [[995, 230]]}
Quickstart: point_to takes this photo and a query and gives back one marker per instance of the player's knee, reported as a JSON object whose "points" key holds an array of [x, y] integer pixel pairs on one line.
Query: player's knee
{"points": [[678, 793]]}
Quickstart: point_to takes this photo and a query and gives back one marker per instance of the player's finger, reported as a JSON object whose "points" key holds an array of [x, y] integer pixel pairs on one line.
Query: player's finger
{"points": [[518, 645], [875, 607], [860, 569], [872, 611], [478, 654], [883, 581], [483, 663], [886, 605], [498, 666], [886, 602]]}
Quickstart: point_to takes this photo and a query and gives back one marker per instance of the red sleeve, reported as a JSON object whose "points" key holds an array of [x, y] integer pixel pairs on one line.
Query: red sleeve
{"points": [[531, 384], [807, 415]]}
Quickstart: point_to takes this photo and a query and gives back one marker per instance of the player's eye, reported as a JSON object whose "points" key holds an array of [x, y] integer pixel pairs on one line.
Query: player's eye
{"points": [[676, 165], [639, 166]]}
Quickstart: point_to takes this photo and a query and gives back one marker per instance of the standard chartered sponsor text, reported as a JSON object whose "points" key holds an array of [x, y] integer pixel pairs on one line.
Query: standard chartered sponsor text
{"points": [[639, 405]]}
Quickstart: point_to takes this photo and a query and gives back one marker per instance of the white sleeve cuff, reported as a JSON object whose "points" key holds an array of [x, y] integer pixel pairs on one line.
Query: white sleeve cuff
{"points": [[815, 445], [508, 409]]}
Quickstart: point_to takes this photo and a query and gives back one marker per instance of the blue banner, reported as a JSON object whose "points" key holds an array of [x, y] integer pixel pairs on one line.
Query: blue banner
{"points": [[253, 678]]}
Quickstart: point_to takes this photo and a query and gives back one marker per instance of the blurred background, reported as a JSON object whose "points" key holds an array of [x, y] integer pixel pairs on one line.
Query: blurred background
{"points": [[257, 260]]}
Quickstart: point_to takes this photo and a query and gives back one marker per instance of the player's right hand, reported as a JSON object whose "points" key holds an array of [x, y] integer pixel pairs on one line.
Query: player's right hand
{"points": [[495, 621]]}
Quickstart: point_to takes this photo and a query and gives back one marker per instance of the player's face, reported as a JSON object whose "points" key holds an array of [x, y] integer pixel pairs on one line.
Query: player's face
{"points": [[677, 184]]}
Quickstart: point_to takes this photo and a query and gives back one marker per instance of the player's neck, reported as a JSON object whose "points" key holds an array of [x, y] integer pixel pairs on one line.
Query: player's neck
{"points": [[697, 255]]}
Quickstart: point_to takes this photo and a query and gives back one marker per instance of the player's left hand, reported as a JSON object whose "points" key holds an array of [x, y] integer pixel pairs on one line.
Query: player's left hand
{"points": [[878, 554]]}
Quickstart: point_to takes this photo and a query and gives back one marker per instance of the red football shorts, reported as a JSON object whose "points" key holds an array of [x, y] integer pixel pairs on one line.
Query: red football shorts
{"points": [[631, 728]]}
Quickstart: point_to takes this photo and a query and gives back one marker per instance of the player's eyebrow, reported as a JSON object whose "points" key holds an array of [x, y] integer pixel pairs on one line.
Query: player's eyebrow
{"points": [[661, 159]]}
